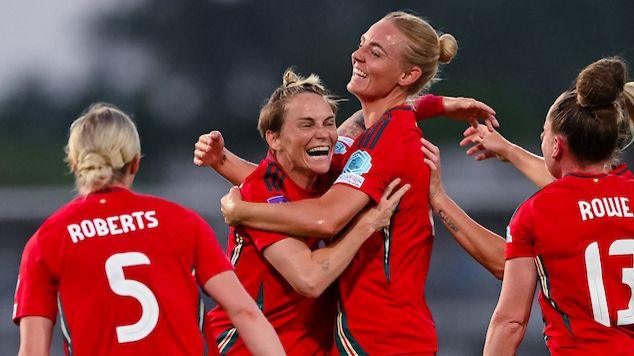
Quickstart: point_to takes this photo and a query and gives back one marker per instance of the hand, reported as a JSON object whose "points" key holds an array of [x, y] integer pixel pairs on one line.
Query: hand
{"points": [[432, 159], [470, 110], [488, 143], [209, 150], [379, 216], [229, 206]]}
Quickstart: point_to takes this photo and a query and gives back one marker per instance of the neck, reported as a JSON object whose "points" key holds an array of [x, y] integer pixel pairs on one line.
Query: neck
{"points": [[301, 176], [373, 109], [568, 167]]}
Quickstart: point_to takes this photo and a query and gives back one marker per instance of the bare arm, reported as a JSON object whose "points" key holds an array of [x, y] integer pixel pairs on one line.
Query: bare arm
{"points": [[256, 332], [510, 318], [210, 151], [323, 217], [483, 245], [490, 144], [311, 272], [35, 336]]}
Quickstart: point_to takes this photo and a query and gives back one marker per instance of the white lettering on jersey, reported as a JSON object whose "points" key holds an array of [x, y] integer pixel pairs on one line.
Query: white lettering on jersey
{"points": [[112, 225], [605, 207]]}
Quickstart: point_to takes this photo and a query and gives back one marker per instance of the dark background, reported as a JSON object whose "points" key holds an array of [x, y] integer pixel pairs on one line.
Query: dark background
{"points": [[183, 68]]}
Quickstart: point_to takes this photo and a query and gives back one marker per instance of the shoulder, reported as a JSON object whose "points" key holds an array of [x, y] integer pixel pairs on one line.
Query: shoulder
{"points": [[266, 182], [388, 127]]}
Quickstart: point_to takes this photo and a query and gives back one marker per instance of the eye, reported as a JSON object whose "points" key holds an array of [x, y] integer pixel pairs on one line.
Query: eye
{"points": [[376, 54]]}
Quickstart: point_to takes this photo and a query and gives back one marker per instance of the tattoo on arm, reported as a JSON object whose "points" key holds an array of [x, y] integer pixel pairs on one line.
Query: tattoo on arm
{"points": [[325, 265], [448, 223], [224, 159], [353, 126]]}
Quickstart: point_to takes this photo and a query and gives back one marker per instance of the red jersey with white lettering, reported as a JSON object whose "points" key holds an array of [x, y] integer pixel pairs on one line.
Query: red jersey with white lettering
{"points": [[383, 309], [119, 267], [304, 325], [580, 231]]}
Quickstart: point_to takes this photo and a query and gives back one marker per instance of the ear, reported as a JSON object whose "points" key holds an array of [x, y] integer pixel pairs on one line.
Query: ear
{"points": [[273, 140], [134, 165], [559, 144], [410, 76]]}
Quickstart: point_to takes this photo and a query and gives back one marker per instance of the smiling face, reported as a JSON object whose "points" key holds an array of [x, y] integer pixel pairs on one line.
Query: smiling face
{"points": [[308, 135], [377, 64]]}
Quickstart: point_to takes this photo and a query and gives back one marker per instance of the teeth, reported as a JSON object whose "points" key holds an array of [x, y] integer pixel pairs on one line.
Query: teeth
{"points": [[318, 151], [359, 72]]}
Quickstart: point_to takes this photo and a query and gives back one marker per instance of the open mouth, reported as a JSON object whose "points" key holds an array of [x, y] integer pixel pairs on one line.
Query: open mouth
{"points": [[318, 152], [359, 73]]}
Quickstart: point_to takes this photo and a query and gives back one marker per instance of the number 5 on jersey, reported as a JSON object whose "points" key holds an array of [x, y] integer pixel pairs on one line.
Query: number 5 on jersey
{"points": [[597, 288], [135, 289]]}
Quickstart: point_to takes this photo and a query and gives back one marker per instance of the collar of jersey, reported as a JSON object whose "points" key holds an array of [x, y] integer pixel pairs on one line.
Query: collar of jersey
{"points": [[115, 189], [586, 175], [271, 156]]}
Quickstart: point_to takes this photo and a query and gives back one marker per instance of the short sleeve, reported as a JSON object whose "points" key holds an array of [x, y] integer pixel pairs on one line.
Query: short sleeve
{"points": [[263, 239], [209, 258], [520, 240], [372, 166], [427, 106], [36, 290]]}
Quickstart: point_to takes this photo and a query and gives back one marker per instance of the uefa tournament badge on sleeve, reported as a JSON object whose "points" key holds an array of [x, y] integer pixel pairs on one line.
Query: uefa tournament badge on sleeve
{"points": [[358, 164]]}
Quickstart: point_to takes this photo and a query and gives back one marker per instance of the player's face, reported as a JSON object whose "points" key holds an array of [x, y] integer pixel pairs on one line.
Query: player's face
{"points": [[308, 135], [376, 64]]}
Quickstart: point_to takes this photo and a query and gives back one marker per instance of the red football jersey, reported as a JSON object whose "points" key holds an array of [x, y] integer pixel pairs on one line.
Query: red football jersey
{"points": [[119, 267], [383, 309], [580, 230], [304, 325]]}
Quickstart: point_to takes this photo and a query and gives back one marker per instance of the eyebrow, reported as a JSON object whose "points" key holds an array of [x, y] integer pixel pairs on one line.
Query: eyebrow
{"points": [[374, 44], [313, 119]]}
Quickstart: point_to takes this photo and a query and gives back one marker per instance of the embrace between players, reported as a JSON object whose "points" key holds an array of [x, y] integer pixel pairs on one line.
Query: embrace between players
{"points": [[351, 205]]}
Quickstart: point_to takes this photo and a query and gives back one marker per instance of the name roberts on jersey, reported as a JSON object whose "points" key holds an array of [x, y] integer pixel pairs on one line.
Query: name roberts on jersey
{"points": [[112, 225]]}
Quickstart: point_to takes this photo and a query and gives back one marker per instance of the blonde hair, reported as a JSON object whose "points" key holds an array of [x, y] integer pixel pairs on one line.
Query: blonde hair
{"points": [[425, 48], [101, 143], [272, 113]]}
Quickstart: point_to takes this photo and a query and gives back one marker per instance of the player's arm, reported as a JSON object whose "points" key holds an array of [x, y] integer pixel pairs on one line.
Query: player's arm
{"points": [[256, 332], [353, 126], [483, 245], [510, 318], [311, 272], [463, 109], [322, 217], [490, 144], [210, 151], [35, 336]]}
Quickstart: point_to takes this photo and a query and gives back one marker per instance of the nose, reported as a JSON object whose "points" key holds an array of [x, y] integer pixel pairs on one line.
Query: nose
{"points": [[357, 56]]}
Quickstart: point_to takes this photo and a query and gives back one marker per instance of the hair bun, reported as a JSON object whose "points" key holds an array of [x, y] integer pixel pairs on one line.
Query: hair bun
{"points": [[448, 47], [601, 83], [290, 78]]}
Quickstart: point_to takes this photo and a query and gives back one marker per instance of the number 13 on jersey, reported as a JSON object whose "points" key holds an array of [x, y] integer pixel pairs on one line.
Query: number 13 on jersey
{"points": [[597, 288]]}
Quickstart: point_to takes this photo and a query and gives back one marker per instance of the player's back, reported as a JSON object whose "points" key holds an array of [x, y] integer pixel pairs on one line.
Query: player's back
{"points": [[584, 248], [123, 265]]}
